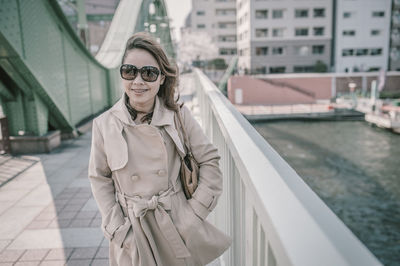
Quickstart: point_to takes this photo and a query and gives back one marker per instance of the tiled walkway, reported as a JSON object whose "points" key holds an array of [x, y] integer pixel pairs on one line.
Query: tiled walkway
{"points": [[11, 167], [48, 215]]}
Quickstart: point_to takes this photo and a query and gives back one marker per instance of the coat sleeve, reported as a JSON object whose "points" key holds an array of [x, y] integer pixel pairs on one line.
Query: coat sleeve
{"points": [[209, 188], [103, 189]]}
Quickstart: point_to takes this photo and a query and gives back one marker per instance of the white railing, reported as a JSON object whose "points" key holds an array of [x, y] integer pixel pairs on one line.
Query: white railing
{"points": [[272, 215]]}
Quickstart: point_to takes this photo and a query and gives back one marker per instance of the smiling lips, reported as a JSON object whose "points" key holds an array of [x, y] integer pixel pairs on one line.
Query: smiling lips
{"points": [[139, 90]]}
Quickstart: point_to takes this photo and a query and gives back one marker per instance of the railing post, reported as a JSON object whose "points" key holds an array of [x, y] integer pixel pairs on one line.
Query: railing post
{"points": [[5, 136]]}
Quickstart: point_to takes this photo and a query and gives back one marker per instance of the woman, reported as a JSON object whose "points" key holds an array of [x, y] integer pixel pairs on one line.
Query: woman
{"points": [[134, 169]]}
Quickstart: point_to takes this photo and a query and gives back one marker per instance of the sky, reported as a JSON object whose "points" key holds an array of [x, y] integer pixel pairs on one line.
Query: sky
{"points": [[177, 11]]}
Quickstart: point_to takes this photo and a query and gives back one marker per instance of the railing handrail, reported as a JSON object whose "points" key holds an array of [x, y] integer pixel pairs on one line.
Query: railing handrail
{"points": [[300, 228]]}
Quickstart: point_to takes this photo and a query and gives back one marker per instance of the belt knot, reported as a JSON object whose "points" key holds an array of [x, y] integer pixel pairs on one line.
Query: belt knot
{"points": [[152, 203]]}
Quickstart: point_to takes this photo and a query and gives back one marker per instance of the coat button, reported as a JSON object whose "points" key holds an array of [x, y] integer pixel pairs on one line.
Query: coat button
{"points": [[161, 172], [134, 177]]}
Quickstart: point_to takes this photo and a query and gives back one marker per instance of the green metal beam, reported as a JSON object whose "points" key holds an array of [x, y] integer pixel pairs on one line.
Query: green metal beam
{"points": [[93, 17], [14, 74], [5, 93]]}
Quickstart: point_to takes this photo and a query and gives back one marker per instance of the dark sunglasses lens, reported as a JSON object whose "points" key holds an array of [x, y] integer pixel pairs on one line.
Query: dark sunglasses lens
{"points": [[128, 72], [149, 73]]}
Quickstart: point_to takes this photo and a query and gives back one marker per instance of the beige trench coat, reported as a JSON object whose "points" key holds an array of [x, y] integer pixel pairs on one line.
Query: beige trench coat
{"points": [[134, 174]]}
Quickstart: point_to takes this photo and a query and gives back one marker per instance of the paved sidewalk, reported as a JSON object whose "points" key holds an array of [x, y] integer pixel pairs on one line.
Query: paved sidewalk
{"points": [[48, 215]]}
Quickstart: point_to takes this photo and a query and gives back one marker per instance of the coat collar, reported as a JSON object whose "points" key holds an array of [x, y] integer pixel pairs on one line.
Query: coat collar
{"points": [[162, 116]]}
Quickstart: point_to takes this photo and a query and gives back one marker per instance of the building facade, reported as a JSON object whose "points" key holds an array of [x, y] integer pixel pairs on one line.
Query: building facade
{"points": [[284, 36], [362, 35], [394, 53], [218, 19]]}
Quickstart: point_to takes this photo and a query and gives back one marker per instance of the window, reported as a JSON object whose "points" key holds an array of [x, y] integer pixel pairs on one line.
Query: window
{"points": [[378, 14], [277, 32], [261, 50], [227, 38], [301, 50], [262, 14], [277, 50], [227, 51], [201, 26], [303, 69], [318, 31], [240, 20], [226, 25], [301, 13], [361, 52], [225, 12], [261, 32], [261, 70], [347, 52], [376, 51], [279, 69], [318, 49], [349, 33], [277, 13], [301, 32], [375, 32], [319, 12], [348, 14], [200, 12], [373, 69]]}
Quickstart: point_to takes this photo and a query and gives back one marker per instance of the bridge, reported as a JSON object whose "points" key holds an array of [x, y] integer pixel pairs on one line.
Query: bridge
{"points": [[49, 81]]}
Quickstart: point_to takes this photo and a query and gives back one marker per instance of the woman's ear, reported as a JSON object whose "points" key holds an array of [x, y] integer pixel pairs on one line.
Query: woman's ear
{"points": [[162, 79]]}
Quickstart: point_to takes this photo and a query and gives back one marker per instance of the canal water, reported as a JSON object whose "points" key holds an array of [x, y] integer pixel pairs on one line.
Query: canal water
{"points": [[354, 168]]}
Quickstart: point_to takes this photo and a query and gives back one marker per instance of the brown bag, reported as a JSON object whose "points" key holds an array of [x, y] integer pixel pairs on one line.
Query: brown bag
{"points": [[189, 172]]}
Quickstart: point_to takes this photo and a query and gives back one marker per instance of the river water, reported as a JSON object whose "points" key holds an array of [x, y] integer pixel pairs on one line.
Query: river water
{"points": [[354, 168]]}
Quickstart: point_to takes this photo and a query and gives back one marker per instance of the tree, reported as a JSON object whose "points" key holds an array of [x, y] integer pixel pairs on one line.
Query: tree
{"points": [[217, 63], [320, 67], [196, 46]]}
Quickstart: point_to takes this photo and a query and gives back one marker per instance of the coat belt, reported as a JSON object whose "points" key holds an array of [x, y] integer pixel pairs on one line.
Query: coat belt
{"points": [[138, 207]]}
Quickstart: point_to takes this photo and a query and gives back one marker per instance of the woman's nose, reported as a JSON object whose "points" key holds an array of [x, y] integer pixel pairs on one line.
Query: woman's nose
{"points": [[138, 79]]}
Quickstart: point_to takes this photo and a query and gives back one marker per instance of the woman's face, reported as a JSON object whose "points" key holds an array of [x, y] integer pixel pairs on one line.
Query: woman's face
{"points": [[142, 93]]}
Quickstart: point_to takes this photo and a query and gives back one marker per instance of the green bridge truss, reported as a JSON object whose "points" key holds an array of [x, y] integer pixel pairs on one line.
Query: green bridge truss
{"points": [[49, 80]]}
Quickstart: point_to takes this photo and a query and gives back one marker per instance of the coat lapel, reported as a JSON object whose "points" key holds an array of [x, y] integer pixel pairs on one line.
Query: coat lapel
{"points": [[120, 111], [163, 116]]}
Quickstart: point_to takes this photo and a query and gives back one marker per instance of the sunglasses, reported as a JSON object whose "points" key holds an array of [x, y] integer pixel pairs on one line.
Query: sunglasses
{"points": [[148, 73]]}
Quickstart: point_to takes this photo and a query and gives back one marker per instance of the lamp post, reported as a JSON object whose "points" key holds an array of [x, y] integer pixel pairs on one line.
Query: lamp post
{"points": [[352, 87]]}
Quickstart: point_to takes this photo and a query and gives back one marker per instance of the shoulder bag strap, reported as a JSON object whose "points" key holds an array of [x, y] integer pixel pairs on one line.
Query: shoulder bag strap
{"points": [[185, 137]]}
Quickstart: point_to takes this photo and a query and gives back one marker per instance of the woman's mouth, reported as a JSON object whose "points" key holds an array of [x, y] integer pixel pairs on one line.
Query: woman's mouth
{"points": [[139, 90]]}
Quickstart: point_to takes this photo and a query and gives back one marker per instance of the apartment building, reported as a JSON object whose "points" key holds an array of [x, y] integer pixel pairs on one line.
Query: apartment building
{"points": [[394, 52], [218, 19], [284, 36], [362, 35]]}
